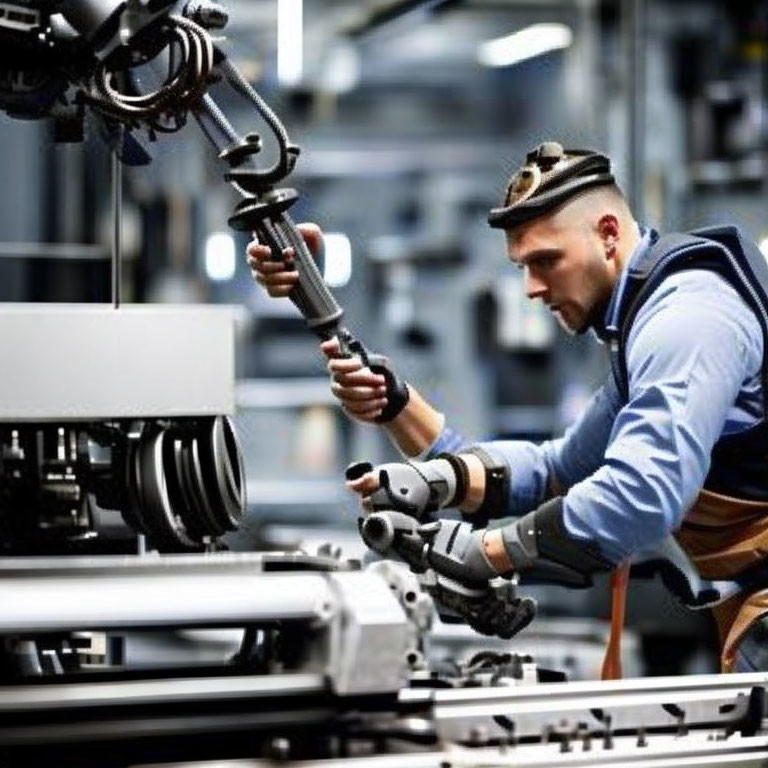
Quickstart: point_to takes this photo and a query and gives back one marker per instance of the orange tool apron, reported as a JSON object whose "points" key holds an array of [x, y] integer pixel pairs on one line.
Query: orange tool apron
{"points": [[723, 536]]}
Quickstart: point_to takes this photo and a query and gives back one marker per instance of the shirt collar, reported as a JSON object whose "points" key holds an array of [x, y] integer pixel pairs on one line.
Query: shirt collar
{"points": [[610, 324]]}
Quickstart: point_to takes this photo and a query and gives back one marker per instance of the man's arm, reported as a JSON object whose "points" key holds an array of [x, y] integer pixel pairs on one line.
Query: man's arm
{"points": [[501, 478], [538, 472], [692, 347], [362, 393]]}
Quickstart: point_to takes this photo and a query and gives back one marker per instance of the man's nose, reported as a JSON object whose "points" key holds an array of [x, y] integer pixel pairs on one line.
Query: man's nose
{"points": [[535, 287]]}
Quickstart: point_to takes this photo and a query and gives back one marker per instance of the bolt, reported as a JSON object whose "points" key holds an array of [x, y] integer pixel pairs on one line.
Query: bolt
{"points": [[279, 748], [478, 734]]}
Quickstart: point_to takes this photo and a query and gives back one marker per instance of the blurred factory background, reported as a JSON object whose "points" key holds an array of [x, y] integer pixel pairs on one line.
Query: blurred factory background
{"points": [[409, 124]]}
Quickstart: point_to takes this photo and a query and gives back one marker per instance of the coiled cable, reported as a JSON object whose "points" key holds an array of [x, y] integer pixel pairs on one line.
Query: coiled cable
{"points": [[163, 109]]}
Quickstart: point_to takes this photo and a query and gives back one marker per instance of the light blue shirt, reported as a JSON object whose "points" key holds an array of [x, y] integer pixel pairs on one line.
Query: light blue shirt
{"points": [[694, 357]]}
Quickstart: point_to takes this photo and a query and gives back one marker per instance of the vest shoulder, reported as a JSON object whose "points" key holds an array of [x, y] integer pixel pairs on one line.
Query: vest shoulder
{"points": [[708, 248]]}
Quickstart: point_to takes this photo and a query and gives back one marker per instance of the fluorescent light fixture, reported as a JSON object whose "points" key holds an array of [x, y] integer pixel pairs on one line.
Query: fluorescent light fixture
{"points": [[764, 246], [220, 256], [290, 42], [338, 259], [342, 68], [524, 44]]}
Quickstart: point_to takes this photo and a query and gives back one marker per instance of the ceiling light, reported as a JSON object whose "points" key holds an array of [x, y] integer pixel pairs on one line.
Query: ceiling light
{"points": [[338, 259], [524, 44], [341, 72], [220, 256]]}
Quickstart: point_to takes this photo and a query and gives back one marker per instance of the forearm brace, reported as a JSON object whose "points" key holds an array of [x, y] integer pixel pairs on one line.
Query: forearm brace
{"points": [[541, 549], [496, 497]]}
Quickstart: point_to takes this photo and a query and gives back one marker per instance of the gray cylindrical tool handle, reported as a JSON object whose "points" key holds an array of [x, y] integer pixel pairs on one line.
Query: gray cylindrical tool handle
{"points": [[311, 295]]}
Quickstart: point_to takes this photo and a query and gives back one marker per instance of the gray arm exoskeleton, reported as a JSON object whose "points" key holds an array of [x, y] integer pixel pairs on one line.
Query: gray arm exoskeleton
{"points": [[489, 604], [416, 488]]}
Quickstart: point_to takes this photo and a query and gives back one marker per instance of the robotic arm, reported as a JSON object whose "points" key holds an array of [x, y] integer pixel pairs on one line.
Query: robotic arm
{"points": [[445, 554], [61, 59]]}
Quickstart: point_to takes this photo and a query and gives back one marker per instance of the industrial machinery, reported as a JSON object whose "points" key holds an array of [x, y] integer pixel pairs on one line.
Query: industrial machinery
{"points": [[178, 483], [307, 660], [137, 69], [99, 447], [191, 653]]}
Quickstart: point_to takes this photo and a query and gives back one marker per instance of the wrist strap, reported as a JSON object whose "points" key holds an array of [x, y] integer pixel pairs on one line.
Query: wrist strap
{"points": [[398, 393], [496, 495], [461, 471]]}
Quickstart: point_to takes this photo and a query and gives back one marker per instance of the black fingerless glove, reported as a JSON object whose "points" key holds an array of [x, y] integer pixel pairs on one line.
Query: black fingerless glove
{"points": [[397, 390]]}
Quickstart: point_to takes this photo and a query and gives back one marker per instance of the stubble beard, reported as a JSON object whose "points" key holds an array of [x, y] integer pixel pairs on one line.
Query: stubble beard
{"points": [[569, 326]]}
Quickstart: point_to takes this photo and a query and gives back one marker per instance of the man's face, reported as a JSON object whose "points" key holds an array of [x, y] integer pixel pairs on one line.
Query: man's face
{"points": [[565, 266]]}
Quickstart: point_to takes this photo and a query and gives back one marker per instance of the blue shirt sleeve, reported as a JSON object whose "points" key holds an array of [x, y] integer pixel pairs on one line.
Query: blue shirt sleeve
{"points": [[694, 346], [449, 441], [569, 459]]}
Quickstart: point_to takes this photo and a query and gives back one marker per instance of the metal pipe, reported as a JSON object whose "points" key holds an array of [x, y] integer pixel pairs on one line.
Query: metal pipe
{"points": [[193, 593], [117, 221], [142, 693]]}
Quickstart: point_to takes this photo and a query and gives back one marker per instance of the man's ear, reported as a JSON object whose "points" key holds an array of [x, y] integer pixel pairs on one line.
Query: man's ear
{"points": [[608, 231]]}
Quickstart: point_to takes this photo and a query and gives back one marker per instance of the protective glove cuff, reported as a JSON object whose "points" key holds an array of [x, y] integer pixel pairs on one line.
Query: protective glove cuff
{"points": [[398, 393]]}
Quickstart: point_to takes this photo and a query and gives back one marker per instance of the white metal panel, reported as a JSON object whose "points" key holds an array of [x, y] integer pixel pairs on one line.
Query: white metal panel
{"points": [[72, 362], [374, 637]]}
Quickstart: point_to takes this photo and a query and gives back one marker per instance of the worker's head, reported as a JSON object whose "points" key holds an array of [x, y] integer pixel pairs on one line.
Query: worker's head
{"points": [[570, 229]]}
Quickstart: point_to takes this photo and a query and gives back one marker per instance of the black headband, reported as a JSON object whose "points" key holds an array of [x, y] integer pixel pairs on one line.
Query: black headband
{"points": [[551, 175]]}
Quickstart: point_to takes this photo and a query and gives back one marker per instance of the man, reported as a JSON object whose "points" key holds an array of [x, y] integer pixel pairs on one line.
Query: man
{"points": [[674, 441]]}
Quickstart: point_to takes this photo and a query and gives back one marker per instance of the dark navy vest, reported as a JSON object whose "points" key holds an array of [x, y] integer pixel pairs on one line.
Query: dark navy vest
{"points": [[739, 461]]}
